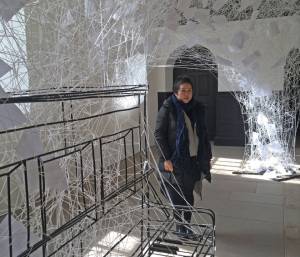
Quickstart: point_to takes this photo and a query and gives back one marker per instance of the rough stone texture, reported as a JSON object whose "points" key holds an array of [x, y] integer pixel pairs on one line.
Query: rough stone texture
{"points": [[235, 10]]}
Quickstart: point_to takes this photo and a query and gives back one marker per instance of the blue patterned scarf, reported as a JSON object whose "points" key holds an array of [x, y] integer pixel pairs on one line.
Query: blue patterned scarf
{"points": [[182, 147]]}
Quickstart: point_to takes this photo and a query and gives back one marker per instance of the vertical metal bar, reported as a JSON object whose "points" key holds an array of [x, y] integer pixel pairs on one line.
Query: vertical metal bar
{"points": [[125, 160], [95, 179], [133, 156], [101, 175], [72, 118], [142, 181], [64, 119], [147, 177], [72, 244], [82, 180], [44, 207], [73, 137], [81, 248], [145, 126], [140, 134], [42, 202], [9, 217], [27, 204]]}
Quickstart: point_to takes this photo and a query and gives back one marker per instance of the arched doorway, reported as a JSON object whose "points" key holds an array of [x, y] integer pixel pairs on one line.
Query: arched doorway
{"points": [[199, 64], [292, 90]]}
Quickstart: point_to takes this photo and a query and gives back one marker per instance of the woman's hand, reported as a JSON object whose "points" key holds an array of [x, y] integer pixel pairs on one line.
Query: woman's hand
{"points": [[168, 166]]}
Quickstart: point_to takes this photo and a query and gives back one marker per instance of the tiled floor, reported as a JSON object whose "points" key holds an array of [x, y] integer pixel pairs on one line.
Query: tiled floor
{"points": [[255, 216]]}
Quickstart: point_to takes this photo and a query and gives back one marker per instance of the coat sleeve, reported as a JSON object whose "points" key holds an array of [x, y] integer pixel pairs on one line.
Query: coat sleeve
{"points": [[207, 148], [161, 132], [206, 139], [207, 143]]}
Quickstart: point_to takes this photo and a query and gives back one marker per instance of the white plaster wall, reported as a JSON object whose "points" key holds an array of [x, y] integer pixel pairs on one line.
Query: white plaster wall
{"points": [[157, 83], [272, 44]]}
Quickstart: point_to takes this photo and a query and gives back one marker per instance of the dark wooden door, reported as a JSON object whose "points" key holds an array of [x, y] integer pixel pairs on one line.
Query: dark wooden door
{"points": [[205, 90]]}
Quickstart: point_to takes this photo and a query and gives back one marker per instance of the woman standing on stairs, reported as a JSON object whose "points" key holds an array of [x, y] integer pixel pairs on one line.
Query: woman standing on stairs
{"points": [[185, 149]]}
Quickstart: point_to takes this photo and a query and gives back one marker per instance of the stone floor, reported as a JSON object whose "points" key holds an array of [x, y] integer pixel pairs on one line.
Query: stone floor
{"points": [[255, 216]]}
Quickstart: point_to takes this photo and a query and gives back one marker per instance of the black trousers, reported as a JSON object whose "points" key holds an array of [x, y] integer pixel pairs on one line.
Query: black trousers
{"points": [[181, 197]]}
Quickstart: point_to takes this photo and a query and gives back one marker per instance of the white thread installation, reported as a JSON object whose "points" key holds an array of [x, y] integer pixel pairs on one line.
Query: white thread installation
{"points": [[59, 46]]}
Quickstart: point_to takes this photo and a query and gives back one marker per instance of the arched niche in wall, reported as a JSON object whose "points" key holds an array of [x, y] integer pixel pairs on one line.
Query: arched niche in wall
{"points": [[199, 64], [292, 90], [170, 65]]}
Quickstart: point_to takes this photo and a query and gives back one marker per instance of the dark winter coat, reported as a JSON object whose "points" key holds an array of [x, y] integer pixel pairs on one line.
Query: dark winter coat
{"points": [[165, 135]]}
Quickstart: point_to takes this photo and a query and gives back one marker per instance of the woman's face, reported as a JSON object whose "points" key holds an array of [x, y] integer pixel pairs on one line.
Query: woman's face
{"points": [[185, 93]]}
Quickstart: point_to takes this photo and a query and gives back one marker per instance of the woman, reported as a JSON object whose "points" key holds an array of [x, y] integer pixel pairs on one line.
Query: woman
{"points": [[185, 149]]}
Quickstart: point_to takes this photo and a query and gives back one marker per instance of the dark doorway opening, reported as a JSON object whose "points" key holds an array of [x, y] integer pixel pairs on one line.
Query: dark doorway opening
{"points": [[199, 64], [292, 88], [297, 144]]}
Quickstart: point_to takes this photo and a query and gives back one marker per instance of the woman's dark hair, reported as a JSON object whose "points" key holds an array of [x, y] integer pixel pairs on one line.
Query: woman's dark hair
{"points": [[181, 80]]}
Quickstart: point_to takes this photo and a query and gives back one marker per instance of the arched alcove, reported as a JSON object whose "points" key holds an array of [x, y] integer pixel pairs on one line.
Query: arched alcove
{"points": [[199, 64], [292, 90]]}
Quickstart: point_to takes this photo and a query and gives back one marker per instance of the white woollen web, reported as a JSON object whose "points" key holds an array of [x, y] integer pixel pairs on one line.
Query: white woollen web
{"points": [[80, 46], [270, 116], [52, 48]]}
